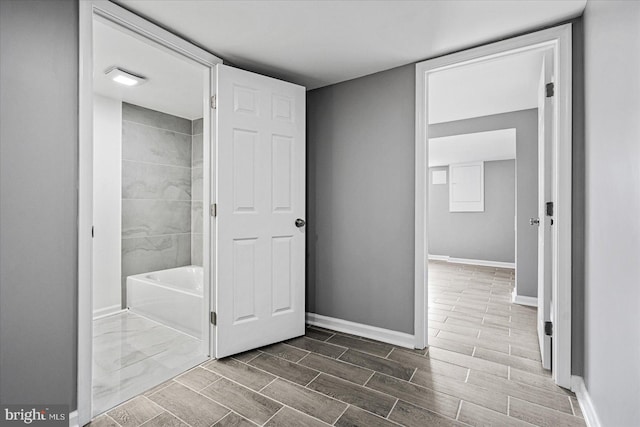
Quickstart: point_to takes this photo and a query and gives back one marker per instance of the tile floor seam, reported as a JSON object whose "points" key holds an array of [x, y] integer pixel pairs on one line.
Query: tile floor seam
{"points": [[271, 417], [172, 414], [342, 413], [392, 408]]}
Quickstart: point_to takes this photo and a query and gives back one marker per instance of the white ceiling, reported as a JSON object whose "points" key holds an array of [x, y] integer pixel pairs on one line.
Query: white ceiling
{"points": [[473, 147], [174, 84], [490, 87], [317, 43]]}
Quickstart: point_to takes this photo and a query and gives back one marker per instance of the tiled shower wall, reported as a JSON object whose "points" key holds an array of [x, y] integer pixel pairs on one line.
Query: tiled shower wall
{"points": [[196, 193], [157, 188]]}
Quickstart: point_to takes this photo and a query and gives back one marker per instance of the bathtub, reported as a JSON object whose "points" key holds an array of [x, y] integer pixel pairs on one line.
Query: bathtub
{"points": [[173, 297]]}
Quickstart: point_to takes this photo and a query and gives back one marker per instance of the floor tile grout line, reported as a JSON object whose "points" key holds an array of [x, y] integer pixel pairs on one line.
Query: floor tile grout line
{"points": [[169, 412], [343, 412], [415, 370], [271, 417], [392, 408], [313, 379], [267, 385], [459, 409]]}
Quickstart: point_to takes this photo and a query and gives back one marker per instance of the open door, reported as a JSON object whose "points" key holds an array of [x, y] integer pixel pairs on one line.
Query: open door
{"points": [[260, 232], [546, 202]]}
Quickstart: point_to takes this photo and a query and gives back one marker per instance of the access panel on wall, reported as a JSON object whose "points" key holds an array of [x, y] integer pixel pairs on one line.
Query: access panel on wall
{"points": [[260, 231]]}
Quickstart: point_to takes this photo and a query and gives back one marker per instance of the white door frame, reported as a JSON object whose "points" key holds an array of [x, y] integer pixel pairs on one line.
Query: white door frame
{"points": [[140, 28], [559, 39]]}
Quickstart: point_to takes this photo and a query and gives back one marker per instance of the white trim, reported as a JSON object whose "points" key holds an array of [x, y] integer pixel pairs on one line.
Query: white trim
{"points": [[559, 39], [523, 300], [107, 311], [73, 419], [372, 332], [141, 28], [481, 262], [586, 404]]}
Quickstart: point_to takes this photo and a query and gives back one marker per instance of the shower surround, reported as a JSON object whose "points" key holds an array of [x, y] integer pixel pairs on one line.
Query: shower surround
{"points": [[161, 192]]}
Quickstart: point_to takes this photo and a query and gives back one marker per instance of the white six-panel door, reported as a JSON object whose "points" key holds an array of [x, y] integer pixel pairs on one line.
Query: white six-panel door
{"points": [[260, 168]]}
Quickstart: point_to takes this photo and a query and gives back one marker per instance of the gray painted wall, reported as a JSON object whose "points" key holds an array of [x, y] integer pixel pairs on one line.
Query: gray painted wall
{"points": [[38, 201], [360, 200], [488, 235], [612, 131], [159, 216], [526, 124]]}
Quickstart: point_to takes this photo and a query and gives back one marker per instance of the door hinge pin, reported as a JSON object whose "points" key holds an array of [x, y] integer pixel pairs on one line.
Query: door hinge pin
{"points": [[214, 210], [214, 102], [214, 318], [92, 234], [550, 89]]}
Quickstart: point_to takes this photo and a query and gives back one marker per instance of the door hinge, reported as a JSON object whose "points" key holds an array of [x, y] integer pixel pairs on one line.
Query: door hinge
{"points": [[214, 318], [92, 235], [214, 209], [550, 89], [548, 329], [214, 102]]}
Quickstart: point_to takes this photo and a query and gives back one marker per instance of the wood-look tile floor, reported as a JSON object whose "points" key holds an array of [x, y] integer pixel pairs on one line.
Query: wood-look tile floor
{"points": [[482, 369]]}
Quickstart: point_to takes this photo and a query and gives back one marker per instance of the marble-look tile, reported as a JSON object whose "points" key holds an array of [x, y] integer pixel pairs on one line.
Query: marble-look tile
{"points": [[151, 181], [152, 145], [142, 218], [244, 401], [196, 127], [144, 254], [196, 183], [196, 249], [304, 400], [133, 354], [196, 217], [195, 409], [146, 116], [135, 412], [196, 151]]}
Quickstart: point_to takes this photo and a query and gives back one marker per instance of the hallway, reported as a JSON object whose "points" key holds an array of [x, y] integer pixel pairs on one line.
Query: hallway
{"points": [[482, 368]]}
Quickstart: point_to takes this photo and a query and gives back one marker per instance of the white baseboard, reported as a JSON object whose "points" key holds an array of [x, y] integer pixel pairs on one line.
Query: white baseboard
{"points": [[107, 311], [480, 262], [400, 339], [73, 419], [523, 300], [586, 405]]}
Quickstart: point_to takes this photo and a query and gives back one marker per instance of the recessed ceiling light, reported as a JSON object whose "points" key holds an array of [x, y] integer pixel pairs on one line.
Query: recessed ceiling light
{"points": [[123, 77]]}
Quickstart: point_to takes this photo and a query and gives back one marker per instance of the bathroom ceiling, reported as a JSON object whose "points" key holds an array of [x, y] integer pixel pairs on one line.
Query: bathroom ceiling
{"points": [[317, 43], [174, 84], [473, 147]]}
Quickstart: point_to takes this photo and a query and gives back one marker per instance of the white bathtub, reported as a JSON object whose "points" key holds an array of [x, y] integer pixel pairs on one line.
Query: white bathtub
{"points": [[173, 297]]}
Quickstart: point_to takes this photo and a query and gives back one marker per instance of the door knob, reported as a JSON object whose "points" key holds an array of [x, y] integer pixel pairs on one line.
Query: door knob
{"points": [[534, 221], [300, 222]]}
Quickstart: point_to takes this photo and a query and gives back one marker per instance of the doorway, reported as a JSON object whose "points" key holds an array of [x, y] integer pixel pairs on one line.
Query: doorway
{"points": [[557, 302], [145, 177]]}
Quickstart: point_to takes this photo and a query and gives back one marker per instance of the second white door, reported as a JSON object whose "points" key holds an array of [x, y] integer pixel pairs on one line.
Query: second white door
{"points": [[260, 232]]}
